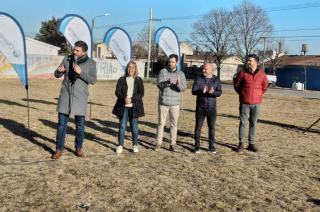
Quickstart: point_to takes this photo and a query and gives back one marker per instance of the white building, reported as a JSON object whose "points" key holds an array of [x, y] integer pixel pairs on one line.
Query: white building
{"points": [[40, 48], [102, 51], [186, 48]]}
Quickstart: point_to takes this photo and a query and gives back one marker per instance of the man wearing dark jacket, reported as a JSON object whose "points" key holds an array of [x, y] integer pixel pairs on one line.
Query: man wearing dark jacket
{"points": [[250, 84], [79, 71], [207, 88]]}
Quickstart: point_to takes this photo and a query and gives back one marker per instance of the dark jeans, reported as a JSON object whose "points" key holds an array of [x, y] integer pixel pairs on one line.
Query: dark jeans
{"points": [[127, 115], [251, 113], [201, 114], [62, 131]]}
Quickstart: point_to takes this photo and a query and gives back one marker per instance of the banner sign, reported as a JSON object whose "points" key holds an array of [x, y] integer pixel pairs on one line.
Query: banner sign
{"points": [[118, 40], [168, 41], [13, 46], [110, 69], [75, 28]]}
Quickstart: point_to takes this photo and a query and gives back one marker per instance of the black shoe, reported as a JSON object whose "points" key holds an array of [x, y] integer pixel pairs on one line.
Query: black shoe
{"points": [[172, 148], [252, 148], [212, 149], [240, 147]]}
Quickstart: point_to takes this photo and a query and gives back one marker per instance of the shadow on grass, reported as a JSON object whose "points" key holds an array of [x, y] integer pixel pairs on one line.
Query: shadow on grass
{"points": [[12, 103], [20, 130], [279, 124], [97, 104], [87, 136], [40, 101], [282, 125], [314, 201], [181, 134], [108, 125]]}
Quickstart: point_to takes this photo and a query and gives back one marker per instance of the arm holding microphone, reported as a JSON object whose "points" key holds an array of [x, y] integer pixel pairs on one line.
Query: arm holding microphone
{"points": [[64, 66], [60, 71]]}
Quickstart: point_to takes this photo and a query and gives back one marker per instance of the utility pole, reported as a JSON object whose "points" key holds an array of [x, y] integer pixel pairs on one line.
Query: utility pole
{"points": [[149, 42], [264, 52], [305, 77], [93, 47]]}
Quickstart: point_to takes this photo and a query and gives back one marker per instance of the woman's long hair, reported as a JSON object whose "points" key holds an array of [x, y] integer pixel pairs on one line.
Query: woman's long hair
{"points": [[135, 67]]}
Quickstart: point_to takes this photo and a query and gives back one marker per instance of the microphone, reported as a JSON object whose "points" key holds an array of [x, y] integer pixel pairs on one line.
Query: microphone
{"points": [[72, 74], [75, 60]]}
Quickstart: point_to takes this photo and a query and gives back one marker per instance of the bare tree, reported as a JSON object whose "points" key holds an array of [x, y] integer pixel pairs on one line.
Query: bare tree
{"points": [[275, 54], [251, 27], [213, 33], [141, 41], [139, 51]]}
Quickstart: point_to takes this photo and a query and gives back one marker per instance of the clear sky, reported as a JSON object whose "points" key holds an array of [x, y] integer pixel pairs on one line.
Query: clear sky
{"points": [[290, 18]]}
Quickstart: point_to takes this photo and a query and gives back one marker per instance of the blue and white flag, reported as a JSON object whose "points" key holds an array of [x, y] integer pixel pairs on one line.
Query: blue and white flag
{"points": [[75, 28], [168, 41], [120, 43], [13, 46]]}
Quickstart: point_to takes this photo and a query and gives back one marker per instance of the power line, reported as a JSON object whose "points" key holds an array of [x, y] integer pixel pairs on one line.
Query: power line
{"points": [[280, 30], [273, 9], [296, 36], [124, 24], [302, 40], [294, 7], [293, 30]]}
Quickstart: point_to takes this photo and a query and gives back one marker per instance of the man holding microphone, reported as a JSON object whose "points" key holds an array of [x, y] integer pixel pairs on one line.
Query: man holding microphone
{"points": [[78, 70]]}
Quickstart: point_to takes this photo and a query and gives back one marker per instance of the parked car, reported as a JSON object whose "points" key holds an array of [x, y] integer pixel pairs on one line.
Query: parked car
{"points": [[272, 80]]}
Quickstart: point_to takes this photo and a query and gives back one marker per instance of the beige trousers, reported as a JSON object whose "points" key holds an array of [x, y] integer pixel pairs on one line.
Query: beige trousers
{"points": [[162, 116]]}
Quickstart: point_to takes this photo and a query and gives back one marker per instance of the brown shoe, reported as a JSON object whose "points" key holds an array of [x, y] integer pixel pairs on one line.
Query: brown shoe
{"points": [[252, 148], [240, 147], [79, 152], [57, 155]]}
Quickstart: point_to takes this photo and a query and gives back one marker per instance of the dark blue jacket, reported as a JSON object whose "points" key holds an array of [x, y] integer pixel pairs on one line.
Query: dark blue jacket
{"points": [[206, 99]]}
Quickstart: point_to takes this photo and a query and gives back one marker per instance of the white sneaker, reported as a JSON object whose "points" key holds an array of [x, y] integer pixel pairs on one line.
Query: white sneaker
{"points": [[119, 150], [135, 149], [197, 151]]}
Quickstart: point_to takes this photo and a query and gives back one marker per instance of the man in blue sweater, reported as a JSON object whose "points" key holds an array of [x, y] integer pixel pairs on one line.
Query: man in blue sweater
{"points": [[207, 88]]}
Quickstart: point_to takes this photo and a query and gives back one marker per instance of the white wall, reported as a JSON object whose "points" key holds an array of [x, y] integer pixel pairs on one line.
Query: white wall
{"points": [[43, 66], [110, 69], [38, 47]]}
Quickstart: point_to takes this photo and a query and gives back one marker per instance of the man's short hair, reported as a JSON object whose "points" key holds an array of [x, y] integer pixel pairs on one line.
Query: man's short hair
{"points": [[82, 45], [173, 56], [254, 56]]}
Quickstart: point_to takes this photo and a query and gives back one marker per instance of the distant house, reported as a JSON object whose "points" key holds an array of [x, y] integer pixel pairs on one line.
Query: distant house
{"points": [[230, 66], [40, 48], [296, 68], [101, 50], [186, 48]]}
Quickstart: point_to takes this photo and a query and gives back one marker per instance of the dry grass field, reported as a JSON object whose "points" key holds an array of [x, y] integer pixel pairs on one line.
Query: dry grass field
{"points": [[283, 176]]}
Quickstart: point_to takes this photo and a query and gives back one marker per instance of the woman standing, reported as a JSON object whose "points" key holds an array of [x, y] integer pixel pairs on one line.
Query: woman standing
{"points": [[129, 105]]}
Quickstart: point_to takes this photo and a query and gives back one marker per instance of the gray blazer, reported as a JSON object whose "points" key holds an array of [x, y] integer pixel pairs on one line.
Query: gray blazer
{"points": [[169, 94], [73, 97]]}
